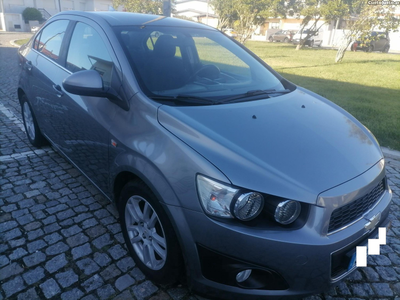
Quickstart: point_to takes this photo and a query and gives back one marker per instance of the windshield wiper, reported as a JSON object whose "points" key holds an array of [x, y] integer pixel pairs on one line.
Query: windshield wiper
{"points": [[251, 94], [184, 99]]}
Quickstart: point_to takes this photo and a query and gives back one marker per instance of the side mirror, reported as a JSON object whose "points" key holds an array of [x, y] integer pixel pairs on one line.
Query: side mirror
{"points": [[90, 83], [85, 83]]}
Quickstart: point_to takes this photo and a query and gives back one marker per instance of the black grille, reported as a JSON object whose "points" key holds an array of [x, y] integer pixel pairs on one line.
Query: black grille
{"points": [[350, 212]]}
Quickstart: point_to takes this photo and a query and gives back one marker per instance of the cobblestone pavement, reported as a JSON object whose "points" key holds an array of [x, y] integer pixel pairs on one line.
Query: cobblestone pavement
{"points": [[60, 239]]}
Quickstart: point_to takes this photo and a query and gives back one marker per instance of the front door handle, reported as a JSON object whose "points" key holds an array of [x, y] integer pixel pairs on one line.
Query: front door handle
{"points": [[28, 65], [58, 90]]}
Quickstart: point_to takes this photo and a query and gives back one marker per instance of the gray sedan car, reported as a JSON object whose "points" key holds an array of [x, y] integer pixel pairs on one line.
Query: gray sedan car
{"points": [[220, 168]]}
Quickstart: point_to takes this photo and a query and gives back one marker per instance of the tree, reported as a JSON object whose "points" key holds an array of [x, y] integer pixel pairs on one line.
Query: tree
{"points": [[367, 18], [225, 11], [314, 11], [141, 6], [246, 15], [31, 14]]}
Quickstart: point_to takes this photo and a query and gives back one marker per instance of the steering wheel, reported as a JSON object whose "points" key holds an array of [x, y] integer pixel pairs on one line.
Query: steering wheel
{"points": [[208, 71]]}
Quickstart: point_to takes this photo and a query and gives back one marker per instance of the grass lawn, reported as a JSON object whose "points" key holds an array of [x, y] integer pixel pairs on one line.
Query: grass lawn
{"points": [[21, 42], [365, 84]]}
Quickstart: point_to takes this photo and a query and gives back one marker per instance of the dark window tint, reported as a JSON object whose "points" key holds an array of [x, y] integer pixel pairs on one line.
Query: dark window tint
{"points": [[48, 42], [87, 51]]}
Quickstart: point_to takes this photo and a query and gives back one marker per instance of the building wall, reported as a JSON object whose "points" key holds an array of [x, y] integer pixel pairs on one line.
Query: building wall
{"points": [[11, 19]]}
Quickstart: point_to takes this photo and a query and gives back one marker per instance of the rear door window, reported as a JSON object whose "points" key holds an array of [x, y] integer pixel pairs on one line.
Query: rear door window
{"points": [[49, 41]]}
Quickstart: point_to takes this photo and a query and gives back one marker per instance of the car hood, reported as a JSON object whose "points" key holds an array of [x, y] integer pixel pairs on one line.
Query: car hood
{"points": [[293, 146]]}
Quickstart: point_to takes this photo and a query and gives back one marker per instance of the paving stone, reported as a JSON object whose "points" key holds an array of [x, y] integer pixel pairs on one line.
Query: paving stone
{"points": [[144, 290], [120, 238], [95, 231], [32, 235], [93, 283], [90, 297], [126, 295], [49, 220], [28, 202], [178, 293], [387, 273], [126, 264], [79, 218], [28, 295], [67, 278], [17, 253], [101, 259], [138, 275], [9, 235], [102, 241], [77, 239], [33, 276], [36, 245], [32, 226], [105, 292], [8, 208], [58, 248], [3, 260], [10, 270], [382, 260], [362, 289], [73, 294], [81, 251], [53, 238], [382, 289], [51, 228], [13, 286], [56, 263], [117, 252], [88, 266], [114, 228], [50, 288], [123, 282], [71, 231], [110, 272], [66, 214], [25, 219], [16, 243]]}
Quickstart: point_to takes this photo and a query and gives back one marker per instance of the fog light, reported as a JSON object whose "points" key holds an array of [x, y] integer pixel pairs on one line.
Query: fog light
{"points": [[248, 206], [243, 275], [287, 212]]}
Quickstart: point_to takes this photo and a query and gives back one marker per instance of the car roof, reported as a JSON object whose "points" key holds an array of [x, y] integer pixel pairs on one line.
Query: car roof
{"points": [[116, 18]]}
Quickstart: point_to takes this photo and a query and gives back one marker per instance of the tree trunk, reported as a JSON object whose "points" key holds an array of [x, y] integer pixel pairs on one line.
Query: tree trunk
{"points": [[342, 49]]}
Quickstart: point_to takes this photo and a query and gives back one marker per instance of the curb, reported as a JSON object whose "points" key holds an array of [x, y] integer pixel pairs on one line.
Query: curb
{"points": [[389, 153], [12, 42]]}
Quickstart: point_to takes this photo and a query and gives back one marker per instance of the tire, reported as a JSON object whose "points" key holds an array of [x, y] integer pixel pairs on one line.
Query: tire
{"points": [[271, 39], [33, 132], [286, 40], [149, 234], [370, 48], [386, 49], [311, 43]]}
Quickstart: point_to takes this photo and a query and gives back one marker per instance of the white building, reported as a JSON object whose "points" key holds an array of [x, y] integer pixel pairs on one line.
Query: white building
{"points": [[11, 10], [196, 10]]}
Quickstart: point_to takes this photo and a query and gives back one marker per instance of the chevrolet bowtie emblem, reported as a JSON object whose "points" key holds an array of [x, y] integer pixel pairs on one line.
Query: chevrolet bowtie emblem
{"points": [[373, 221]]}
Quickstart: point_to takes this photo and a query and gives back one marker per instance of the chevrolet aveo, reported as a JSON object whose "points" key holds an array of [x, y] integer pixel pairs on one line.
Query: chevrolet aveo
{"points": [[220, 168]]}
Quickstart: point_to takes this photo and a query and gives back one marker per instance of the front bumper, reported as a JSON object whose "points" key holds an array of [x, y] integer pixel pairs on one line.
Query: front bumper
{"points": [[303, 261]]}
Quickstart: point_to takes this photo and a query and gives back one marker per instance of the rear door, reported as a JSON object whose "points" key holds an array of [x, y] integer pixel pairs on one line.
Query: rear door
{"points": [[45, 71]]}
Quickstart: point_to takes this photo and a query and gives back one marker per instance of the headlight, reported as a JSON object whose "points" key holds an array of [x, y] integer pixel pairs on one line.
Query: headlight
{"points": [[287, 211], [248, 206], [215, 197], [224, 201]]}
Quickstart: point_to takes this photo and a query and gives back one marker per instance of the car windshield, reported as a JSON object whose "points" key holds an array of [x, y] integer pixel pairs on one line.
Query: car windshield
{"points": [[177, 62]]}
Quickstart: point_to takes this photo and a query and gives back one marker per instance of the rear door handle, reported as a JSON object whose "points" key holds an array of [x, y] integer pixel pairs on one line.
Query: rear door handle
{"points": [[58, 90]]}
